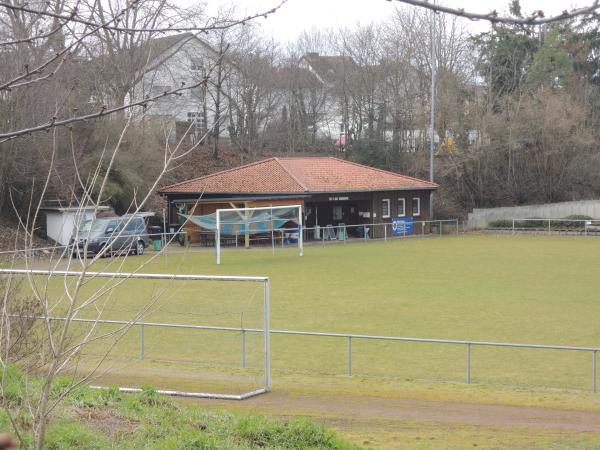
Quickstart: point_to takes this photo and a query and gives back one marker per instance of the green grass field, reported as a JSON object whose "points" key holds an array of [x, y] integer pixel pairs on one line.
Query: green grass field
{"points": [[521, 289]]}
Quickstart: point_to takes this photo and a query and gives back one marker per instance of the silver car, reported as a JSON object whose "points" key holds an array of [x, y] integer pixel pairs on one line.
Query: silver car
{"points": [[120, 235]]}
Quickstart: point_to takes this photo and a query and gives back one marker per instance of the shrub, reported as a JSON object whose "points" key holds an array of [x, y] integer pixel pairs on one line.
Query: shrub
{"points": [[533, 222], [259, 431], [188, 439], [500, 223], [574, 222], [150, 397], [12, 380], [74, 435]]}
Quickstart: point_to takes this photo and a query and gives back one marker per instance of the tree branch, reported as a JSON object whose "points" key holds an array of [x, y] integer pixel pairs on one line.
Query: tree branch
{"points": [[210, 26], [537, 18], [54, 122]]}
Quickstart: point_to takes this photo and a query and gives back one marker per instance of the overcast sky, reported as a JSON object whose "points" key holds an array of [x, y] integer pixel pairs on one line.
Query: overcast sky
{"points": [[298, 15]]}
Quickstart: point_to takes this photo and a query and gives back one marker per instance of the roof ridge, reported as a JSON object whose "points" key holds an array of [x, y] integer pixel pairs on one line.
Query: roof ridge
{"points": [[302, 185], [220, 172], [389, 172]]}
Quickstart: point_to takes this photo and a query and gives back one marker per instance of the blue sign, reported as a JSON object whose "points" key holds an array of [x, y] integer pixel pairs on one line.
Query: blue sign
{"points": [[402, 226]]}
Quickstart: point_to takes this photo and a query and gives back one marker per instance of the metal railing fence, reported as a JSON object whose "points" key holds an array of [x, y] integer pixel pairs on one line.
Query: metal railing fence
{"points": [[334, 233], [547, 226], [379, 231], [164, 238], [279, 237], [350, 338]]}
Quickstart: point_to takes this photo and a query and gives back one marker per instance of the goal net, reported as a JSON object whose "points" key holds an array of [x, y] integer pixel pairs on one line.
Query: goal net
{"points": [[190, 335], [274, 226]]}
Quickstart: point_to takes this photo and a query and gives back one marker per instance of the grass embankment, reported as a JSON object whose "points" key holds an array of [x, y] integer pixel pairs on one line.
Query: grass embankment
{"points": [[90, 419]]}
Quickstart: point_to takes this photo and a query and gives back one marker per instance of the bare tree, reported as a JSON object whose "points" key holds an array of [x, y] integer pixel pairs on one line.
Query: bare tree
{"points": [[49, 47]]}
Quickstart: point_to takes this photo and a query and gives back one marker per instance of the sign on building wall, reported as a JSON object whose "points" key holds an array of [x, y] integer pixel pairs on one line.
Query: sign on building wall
{"points": [[402, 226]]}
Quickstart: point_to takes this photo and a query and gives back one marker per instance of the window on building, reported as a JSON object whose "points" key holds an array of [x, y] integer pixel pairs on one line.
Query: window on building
{"points": [[194, 117], [385, 208], [401, 207], [196, 65], [416, 206]]}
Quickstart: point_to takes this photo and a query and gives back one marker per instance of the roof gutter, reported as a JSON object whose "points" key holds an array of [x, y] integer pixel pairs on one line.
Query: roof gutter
{"points": [[299, 194]]}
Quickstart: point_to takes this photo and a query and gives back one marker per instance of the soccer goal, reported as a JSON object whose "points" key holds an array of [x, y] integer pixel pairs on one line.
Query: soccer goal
{"points": [[274, 222], [200, 336], [275, 226]]}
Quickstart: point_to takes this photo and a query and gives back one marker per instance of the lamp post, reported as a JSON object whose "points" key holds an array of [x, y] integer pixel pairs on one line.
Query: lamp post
{"points": [[432, 122]]}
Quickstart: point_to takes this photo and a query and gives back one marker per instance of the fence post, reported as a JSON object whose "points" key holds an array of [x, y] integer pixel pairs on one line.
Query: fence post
{"points": [[594, 370], [549, 229], [349, 355], [142, 341], [456, 226], [244, 349], [513, 226], [385, 232], [440, 225], [468, 363]]}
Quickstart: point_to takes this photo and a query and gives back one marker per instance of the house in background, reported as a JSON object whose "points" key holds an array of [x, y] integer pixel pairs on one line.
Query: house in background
{"points": [[314, 102], [338, 77], [332, 192], [173, 62]]}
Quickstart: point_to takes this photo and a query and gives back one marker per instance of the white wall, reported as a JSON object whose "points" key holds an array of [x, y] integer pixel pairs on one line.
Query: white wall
{"points": [[480, 218], [172, 70], [60, 224]]}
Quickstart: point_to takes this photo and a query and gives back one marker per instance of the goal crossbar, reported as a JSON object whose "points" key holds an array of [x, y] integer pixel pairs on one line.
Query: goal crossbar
{"points": [[133, 275]]}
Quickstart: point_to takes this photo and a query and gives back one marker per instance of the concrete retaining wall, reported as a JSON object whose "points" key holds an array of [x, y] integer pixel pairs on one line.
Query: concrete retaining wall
{"points": [[480, 218]]}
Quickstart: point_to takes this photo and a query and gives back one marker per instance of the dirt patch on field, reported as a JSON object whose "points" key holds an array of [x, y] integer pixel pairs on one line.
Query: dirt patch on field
{"points": [[104, 420], [377, 408]]}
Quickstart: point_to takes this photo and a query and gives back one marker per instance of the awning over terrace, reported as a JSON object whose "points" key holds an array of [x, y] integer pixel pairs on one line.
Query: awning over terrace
{"points": [[238, 222]]}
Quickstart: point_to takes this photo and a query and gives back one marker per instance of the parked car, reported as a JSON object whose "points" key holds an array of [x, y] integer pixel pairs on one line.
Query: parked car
{"points": [[125, 234]]}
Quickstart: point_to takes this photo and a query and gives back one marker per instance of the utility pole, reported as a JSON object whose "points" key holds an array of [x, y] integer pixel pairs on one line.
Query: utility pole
{"points": [[432, 125]]}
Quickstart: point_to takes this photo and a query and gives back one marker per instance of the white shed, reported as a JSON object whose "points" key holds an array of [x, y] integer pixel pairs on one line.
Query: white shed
{"points": [[61, 221]]}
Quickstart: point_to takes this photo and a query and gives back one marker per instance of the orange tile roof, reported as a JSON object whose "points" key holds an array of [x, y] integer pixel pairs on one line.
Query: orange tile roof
{"points": [[290, 175]]}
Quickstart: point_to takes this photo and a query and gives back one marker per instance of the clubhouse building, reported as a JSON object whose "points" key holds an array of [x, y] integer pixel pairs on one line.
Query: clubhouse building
{"points": [[332, 192]]}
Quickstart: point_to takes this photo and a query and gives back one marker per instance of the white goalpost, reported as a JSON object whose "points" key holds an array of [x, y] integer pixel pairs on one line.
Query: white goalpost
{"points": [[207, 321], [260, 220]]}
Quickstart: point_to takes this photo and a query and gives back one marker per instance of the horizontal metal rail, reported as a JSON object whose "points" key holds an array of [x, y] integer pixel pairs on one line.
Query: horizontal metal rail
{"points": [[350, 337], [550, 226], [337, 335], [164, 237]]}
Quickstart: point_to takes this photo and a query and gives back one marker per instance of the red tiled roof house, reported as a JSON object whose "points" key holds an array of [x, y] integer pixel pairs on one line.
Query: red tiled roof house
{"points": [[332, 191]]}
